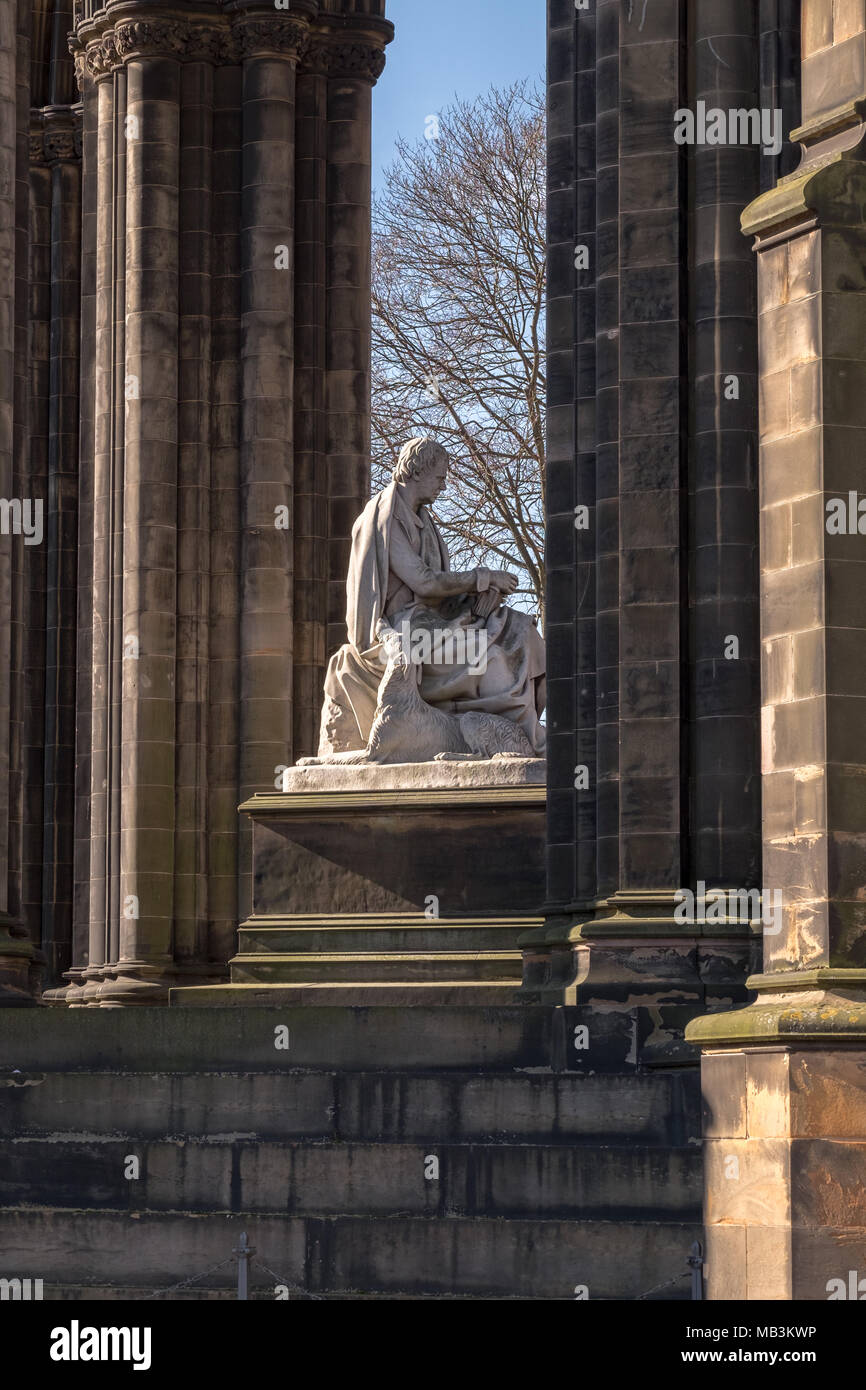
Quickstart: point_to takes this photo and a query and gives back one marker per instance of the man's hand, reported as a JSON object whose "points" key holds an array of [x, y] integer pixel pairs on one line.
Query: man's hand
{"points": [[504, 581], [486, 603]]}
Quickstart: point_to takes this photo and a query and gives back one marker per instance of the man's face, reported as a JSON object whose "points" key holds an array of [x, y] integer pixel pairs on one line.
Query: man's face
{"points": [[432, 481]]}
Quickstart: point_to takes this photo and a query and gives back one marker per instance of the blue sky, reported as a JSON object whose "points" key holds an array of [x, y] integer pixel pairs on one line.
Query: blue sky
{"points": [[444, 48]]}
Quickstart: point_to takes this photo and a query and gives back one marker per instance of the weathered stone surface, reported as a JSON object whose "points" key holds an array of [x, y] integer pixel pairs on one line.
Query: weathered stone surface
{"points": [[494, 772]]}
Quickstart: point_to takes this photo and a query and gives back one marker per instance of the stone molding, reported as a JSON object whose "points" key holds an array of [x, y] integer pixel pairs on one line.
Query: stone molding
{"points": [[100, 55], [347, 56]]}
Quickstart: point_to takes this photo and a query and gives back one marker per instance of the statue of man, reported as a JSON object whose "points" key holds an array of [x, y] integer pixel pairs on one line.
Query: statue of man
{"points": [[476, 654]]}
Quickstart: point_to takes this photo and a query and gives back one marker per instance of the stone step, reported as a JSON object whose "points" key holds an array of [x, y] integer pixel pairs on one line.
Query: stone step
{"points": [[351, 1255], [358, 994], [379, 933], [321, 1179], [658, 1108], [260, 1289], [321, 1034], [395, 968]]}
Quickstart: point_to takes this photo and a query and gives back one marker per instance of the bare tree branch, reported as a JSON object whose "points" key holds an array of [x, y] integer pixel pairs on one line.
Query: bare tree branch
{"points": [[458, 324]]}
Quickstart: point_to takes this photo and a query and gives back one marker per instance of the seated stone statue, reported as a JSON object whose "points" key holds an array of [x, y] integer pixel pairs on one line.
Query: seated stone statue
{"points": [[436, 663]]}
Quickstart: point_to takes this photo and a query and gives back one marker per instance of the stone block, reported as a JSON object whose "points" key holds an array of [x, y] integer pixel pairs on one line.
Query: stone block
{"points": [[724, 1098]]}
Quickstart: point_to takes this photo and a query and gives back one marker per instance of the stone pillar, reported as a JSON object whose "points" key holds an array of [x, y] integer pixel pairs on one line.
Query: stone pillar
{"points": [[142, 891], [784, 1093], [332, 337], [100, 64], [34, 567], [352, 68], [652, 526], [223, 721], [311, 465], [84, 688], [16, 951], [269, 49], [62, 145], [191, 909]]}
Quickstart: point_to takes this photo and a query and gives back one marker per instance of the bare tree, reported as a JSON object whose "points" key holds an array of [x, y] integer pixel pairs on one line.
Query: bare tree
{"points": [[458, 324]]}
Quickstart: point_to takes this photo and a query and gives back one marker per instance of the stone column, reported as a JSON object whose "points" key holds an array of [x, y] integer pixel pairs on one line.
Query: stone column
{"points": [[223, 721], [101, 59], [191, 910], [353, 68], [310, 474], [34, 483], [146, 648], [16, 951], [62, 144], [84, 688], [784, 1092], [269, 49]]}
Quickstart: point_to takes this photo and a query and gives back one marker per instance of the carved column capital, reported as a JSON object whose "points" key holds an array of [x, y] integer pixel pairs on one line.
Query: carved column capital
{"points": [[347, 53], [37, 149], [55, 135], [205, 44], [316, 57], [151, 38], [100, 56], [273, 35], [356, 59]]}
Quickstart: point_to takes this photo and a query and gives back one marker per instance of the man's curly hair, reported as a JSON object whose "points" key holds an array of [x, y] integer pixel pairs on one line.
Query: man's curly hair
{"points": [[416, 456]]}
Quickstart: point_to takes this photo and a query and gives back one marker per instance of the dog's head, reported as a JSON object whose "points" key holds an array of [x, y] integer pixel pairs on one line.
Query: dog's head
{"points": [[396, 665]]}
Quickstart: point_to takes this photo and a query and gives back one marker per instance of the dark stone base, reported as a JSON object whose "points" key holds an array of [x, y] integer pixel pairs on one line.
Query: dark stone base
{"points": [[480, 853], [403, 896]]}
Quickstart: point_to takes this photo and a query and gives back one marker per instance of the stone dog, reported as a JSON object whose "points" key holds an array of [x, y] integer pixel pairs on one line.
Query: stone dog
{"points": [[408, 730]]}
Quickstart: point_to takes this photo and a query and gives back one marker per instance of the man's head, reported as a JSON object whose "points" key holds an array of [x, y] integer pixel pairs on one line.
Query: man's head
{"points": [[425, 463]]}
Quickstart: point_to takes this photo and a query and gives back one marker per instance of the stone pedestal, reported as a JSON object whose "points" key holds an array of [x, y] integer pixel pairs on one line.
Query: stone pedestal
{"points": [[391, 885], [785, 1079]]}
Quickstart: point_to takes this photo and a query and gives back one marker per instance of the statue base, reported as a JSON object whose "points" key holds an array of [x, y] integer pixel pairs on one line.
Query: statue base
{"points": [[394, 884]]}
